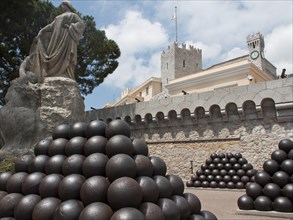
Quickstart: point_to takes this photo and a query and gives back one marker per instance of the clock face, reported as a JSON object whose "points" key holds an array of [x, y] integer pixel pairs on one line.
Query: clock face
{"points": [[254, 54]]}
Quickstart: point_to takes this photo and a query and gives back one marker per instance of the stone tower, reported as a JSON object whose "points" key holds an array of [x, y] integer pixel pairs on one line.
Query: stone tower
{"points": [[179, 61], [256, 44]]}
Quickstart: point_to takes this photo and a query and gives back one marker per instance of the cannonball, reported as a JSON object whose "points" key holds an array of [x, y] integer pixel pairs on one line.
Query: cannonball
{"points": [[208, 215], [237, 166], [24, 208], [159, 165], [290, 154], [194, 203], [245, 179], [2, 194], [128, 213], [164, 186], [73, 164], [213, 156], [96, 128], [150, 190], [286, 145], [3, 179], [31, 183], [239, 185], [207, 172], [183, 206], [223, 172], [57, 146], [69, 187], [209, 161], [235, 179], [215, 172], [287, 166], [282, 204], [231, 173], [61, 131], [238, 156], [95, 165], [251, 172], [220, 166], [253, 190], [42, 147], [96, 210], [75, 146], [212, 166], [272, 191], [198, 172], [78, 129], [263, 203], [68, 210], [281, 178], [288, 191], [151, 211], [222, 184], [216, 160], [120, 165], [8, 204], [189, 183], [271, 166], [230, 185], [245, 202], [262, 178], [279, 156], [169, 208], [117, 127], [197, 183], [224, 160], [228, 166], [204, 166], [227, 178], [210, 178], [176, 183], [94, 189], [124, 192], [54, 164], [45, 209], [240, 173], [95, 144], [144, 166], [140, 147], [247, 166], [202, 178], [119, 144], [232, 160], [213, 184], [242, 161], [38, 164], [194, 177], [205, 184], [196, 217], [49, 185], [229, 156], [14, 182], [218, 178], [221, 155]]}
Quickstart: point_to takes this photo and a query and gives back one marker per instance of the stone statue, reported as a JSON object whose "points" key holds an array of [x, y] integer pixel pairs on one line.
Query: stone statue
{"points": [[54, 49]]}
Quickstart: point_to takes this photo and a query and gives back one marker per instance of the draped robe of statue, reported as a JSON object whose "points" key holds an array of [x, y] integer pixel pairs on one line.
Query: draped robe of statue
{"points": [[54, 50]]}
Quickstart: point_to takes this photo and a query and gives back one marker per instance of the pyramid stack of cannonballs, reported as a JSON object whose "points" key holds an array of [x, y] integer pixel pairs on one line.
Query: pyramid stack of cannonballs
{"points": [[223, 171], [273, 187], [95, 171]]}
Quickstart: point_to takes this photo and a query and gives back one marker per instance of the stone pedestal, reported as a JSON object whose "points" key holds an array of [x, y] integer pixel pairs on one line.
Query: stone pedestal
{"points": [[33, 110]]}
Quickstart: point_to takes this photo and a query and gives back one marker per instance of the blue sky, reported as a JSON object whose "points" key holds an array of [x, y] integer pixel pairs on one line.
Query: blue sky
{"points": [[142, 29]]}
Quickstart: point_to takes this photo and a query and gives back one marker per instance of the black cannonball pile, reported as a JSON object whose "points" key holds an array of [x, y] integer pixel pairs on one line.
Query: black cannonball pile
{"points": [[221, 170], [95, 171], [273, 187]]}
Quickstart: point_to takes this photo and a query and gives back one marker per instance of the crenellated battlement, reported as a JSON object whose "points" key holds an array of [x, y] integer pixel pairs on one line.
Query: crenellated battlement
{"points": [[176, 47]]}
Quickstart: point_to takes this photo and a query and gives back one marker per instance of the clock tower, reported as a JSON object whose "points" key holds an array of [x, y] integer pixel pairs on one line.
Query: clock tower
{"points": [[255, 43]]}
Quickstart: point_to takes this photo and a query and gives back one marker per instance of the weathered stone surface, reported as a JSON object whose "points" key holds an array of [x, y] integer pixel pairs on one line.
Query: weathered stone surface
{"points": [[33, 110]]}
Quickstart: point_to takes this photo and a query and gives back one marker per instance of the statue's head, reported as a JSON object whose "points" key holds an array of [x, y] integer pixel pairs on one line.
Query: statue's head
{"points": [[67, 6]]}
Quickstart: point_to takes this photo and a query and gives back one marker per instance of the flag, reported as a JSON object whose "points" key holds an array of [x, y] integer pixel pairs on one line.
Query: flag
{"points": [[173, 16]]}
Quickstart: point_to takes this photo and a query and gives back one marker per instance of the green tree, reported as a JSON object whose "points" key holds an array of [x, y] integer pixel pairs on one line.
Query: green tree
{"points": [[20, 22]]}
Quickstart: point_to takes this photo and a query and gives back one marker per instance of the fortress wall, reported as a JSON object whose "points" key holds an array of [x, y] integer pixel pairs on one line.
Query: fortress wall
{"points": [[247, 119]]}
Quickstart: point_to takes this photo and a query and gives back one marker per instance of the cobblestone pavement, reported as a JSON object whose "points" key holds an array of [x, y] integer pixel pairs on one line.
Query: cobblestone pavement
{"points": [[223, 204]]}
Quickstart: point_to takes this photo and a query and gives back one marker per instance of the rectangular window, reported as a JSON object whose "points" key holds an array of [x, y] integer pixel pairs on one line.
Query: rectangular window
{"points": [[167, 65], [147, 90], [183, 63], [140, 94]]}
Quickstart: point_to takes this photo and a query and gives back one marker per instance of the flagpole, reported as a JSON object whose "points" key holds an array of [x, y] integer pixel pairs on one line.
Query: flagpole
{"points": [[176, 25]]}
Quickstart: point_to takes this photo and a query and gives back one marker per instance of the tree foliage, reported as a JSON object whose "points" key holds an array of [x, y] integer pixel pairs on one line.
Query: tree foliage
{"points": [[20, 22]]}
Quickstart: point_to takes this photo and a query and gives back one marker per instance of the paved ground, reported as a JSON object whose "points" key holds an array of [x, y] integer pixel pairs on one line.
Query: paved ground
{"points": [[223, 204]]}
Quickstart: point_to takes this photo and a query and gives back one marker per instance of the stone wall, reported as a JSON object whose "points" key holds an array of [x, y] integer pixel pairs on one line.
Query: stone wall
{"points": [[246, 119]]}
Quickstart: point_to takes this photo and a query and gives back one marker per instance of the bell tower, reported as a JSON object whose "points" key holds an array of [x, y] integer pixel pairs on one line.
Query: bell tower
{"points": [[256, 44]]}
